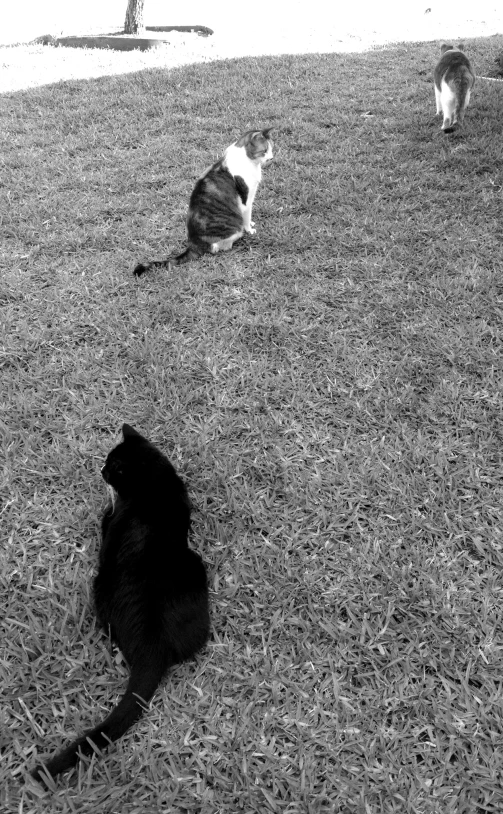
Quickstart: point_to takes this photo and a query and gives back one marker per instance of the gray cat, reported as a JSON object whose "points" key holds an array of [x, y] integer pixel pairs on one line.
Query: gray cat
{"points": [[454, 80]]}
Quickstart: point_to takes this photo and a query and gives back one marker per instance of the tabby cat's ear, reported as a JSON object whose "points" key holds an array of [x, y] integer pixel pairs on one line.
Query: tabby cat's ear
{"points": [[129, 432], [266, 132]]}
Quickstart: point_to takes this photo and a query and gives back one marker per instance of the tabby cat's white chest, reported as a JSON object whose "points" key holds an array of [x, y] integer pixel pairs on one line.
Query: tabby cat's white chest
{"points": [[238, 163]]}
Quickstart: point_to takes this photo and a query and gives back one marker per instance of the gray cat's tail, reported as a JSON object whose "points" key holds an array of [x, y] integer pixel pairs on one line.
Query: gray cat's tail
{"points": [[192, 252], [463, 84]]}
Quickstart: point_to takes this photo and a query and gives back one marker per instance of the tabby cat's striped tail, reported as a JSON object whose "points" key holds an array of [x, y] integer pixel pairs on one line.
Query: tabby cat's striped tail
{"points": [[192, 252]]}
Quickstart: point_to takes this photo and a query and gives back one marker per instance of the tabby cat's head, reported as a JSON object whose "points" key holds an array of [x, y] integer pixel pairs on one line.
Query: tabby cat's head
{"points": [[137, 467], [258, 145]]}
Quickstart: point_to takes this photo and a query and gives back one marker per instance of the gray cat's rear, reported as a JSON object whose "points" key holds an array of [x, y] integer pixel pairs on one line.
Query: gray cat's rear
{"points": [[454, 80]]}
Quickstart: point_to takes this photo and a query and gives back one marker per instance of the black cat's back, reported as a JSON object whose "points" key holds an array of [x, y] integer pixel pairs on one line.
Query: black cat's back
{"points": [[150, 591]]}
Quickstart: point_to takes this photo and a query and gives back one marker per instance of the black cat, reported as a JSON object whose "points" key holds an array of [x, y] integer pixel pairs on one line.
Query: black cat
{"points": [[151, 588]]}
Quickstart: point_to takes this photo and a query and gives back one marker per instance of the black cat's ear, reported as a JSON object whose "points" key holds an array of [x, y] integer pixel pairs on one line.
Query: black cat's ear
{"points": [[129, 432], [266, 132]]}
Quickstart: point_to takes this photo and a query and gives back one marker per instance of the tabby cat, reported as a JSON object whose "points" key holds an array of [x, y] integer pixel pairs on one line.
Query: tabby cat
{"points": [[220, 206], [454, 80], [151, 588]]}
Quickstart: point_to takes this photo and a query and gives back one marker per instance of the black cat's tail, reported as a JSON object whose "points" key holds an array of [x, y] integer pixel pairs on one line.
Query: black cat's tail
{"points": [[192, 252], [139, 691]]}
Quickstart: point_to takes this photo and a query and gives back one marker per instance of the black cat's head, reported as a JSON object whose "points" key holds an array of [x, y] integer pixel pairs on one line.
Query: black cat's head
{"points": [[136, 466]]}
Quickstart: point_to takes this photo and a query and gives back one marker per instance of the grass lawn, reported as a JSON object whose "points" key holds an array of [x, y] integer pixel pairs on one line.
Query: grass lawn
{"points": [[332, 393]]}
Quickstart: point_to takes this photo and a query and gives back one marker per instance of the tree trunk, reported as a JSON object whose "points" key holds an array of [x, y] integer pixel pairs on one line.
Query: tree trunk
{"points": [[133, 23]]}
